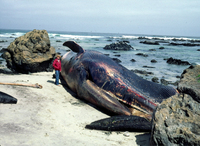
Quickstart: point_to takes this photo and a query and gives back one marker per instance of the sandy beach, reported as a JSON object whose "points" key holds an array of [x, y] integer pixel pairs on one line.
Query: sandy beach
{"points": [[53, 116]]}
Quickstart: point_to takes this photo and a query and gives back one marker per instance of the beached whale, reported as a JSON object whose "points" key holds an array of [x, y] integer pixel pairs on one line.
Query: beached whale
{"points": [[98, 79]]}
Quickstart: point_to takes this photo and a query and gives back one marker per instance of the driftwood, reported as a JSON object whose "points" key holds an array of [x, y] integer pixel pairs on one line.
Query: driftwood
{"points": [[26, 85]]}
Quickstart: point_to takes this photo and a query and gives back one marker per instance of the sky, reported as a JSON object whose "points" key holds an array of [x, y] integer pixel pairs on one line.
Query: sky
{"points": [[153, 17]]}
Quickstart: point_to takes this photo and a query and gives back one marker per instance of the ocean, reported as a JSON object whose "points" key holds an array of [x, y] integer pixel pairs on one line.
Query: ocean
{"points": [[97, 41]]}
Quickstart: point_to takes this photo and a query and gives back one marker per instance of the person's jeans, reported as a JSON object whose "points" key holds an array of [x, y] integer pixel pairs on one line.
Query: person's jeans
{"points": [[57, 77]]}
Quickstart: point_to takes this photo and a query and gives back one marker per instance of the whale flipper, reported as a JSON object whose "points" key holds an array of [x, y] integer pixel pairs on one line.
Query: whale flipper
{"points": [[121, 123]]}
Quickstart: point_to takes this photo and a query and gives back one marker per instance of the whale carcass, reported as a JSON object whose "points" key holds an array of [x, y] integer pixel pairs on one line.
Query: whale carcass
{"points": [[98, 79]]}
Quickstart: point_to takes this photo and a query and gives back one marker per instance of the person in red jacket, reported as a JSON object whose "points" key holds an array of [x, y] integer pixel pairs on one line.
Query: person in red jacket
{"points": [[57, 67]]}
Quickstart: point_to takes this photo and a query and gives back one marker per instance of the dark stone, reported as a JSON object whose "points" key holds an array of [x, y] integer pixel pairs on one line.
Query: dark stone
{"points": [[150, 42], [148, 66], [177, 61], [116, 60], [195, 41], [126, 41], [118, 46], [3, 41], [109, 40], [107, 54], [198, 49], [190, 82], [3, 50], [30, 53], [164, 82], [1, 61], [177, 39], [58, 41], [133, 60], [155, 79], [5, 70], [161, 48], [176, 122], [183, 44], [117, 55], [174, 83], [152, 49], [143, 72], [142, 38], [142, 54], [153, 61]]}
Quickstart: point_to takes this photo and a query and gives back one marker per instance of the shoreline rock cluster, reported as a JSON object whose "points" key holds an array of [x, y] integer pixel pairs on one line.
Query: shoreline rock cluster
{"points": [[177, 61], [121, 45], [170, 42]]}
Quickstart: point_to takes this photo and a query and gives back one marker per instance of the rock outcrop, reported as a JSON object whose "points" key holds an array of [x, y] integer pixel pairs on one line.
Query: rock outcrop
{"points": [[176, 122], [190, 82], [150, 42], [183, 44], [118, 46], [30, 53]]}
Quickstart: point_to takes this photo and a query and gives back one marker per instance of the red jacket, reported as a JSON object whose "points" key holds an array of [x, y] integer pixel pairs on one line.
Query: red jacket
{"points": [[57, 64]]}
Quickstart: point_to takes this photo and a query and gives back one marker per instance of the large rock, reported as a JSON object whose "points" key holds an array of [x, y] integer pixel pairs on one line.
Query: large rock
{"points": [[118, 46], [176, 122], [30, 53], [190, 82]]}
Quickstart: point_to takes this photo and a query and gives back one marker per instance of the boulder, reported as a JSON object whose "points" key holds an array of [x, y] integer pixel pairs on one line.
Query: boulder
{"points": [[176, 122], [161, 48], [133, 60], [116, 60], [30, 53], [183, 44], [122, 45], [177, 61], [190, 82], [152, 49], [155, 79], [153, 61], [145, 66], [142, 54], [117, 55], [142, 72], [164, 82]]}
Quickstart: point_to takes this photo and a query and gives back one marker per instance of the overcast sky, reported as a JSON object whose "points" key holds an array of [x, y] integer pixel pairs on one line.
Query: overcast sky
{"points": [[159, 17]]}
